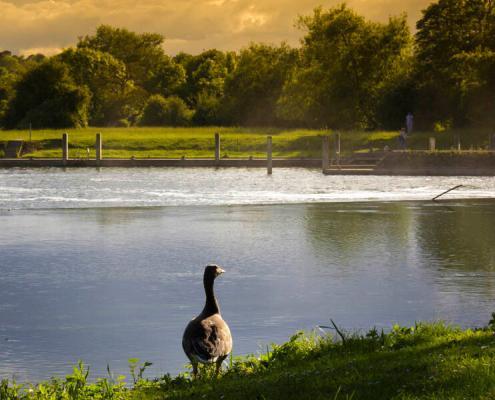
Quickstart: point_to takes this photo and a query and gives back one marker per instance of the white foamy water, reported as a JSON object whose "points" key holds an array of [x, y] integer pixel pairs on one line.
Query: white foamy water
{"points": [[117, 187]]}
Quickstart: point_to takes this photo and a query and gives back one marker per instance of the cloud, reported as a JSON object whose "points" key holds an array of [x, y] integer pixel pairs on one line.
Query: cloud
{"points": [[47, 51], [188, 25]]}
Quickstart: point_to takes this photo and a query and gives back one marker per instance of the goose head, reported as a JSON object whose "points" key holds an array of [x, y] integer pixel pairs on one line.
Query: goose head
{"points": [[213, 271]]}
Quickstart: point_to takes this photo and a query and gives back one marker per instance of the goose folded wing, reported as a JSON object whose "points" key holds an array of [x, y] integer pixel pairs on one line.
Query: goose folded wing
{"points": [[214, 343]]}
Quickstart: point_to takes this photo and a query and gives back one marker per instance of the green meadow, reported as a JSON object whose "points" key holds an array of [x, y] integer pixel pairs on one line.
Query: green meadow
{"points": [[426, 361], [235, 142]]}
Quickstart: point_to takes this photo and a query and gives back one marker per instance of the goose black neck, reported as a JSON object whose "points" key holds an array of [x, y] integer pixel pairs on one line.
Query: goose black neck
{"points": [[211, 306]]}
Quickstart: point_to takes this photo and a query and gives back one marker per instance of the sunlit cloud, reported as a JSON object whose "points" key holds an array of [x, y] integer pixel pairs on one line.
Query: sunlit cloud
{"points": [[47, 51], [188, 25], [251, 19]]}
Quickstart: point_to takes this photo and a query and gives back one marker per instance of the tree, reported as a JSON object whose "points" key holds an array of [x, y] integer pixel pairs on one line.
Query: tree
{"points": [[142, 53], [455, 44], [347, 63], [6, 90], [475, 74], [160, 111], [205, 74], [209, 110], [106, 79], [253, 88], [11, 69], [168, 79], [47, 97]]}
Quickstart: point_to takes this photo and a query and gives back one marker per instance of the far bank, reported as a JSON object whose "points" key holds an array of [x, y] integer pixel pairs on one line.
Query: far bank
{"points": [[235, 142]]}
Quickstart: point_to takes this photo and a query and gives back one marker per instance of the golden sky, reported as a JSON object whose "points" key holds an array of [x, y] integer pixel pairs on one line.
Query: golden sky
{"points": [[46, 26]]}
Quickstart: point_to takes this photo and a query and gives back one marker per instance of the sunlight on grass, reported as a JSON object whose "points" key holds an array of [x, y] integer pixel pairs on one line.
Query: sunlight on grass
{"points": [[425, 361], [235, 142]]}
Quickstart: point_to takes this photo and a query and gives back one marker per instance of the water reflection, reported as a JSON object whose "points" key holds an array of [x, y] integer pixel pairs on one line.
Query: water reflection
{"points": [[359, 231], [108, 284], [460, 237]]}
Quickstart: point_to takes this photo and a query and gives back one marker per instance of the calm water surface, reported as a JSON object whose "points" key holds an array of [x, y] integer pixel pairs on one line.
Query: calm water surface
{"points": [[87, 272]]}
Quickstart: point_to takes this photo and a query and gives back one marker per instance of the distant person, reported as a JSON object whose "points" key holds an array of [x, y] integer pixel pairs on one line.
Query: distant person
{"points": [[403, 138], [409, 123]]}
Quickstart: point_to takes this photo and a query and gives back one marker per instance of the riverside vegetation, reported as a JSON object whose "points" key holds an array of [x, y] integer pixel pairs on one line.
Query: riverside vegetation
{"points": [[426, 361], [347, 73], [162, 142]]}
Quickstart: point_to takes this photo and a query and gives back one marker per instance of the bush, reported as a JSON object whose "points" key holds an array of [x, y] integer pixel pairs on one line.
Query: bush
{"points": [[170, 111], [208, 110], [122, 123], [47, 97]]}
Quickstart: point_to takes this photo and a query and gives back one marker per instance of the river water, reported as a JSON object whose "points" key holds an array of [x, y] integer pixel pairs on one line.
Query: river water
{"points": [[107, 265]]}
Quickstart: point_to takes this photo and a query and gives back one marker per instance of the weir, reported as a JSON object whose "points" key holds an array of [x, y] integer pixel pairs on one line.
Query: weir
{"points": [[430, 162]]}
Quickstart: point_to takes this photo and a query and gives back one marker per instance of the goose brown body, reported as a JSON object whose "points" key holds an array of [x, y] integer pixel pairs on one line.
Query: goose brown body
{"points": [[207, 338]]}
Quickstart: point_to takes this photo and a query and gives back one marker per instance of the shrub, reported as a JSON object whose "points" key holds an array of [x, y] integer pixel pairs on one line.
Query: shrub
{"points": [[208, 110], [122, 123], [170, 111]]}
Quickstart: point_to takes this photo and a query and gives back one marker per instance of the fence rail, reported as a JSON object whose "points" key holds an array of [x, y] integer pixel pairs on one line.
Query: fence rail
{"points": [[334, 159]]}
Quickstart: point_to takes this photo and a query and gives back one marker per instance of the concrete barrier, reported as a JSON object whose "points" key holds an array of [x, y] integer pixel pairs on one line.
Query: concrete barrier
{"points": [[159, 163]]}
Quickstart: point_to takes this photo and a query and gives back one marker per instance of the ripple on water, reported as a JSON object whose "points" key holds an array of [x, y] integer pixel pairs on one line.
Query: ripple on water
{"points": [[114, 187]]}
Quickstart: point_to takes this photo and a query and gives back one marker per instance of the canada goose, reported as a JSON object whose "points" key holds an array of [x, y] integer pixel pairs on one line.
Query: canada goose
{"points": [[207, 337]]}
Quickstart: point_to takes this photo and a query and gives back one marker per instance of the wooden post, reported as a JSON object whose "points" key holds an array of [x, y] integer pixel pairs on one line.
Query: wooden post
{"points": [[217, 148], [432, 144], [65, 148], [269, 162], [492, 142], [325, 159], [98, 149], [337, 149], [458, 145]]}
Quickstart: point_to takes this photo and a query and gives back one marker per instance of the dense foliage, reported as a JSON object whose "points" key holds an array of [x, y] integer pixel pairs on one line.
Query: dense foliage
{"points": [[425, 361], [455, 53], [347, 73], [348, 66], [48, 96], [171, 111]]}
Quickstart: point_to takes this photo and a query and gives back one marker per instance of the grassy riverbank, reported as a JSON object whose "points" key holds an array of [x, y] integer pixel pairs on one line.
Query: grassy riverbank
{"points": [[235, 142], [423, 362]]}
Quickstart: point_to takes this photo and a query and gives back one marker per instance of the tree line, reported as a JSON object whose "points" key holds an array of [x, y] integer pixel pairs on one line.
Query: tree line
{"points": [[347, 73]]}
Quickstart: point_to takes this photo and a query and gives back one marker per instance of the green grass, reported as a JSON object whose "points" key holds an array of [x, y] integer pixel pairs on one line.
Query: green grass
{"points": [[427, 361], [172, 142], [235, 142]]}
